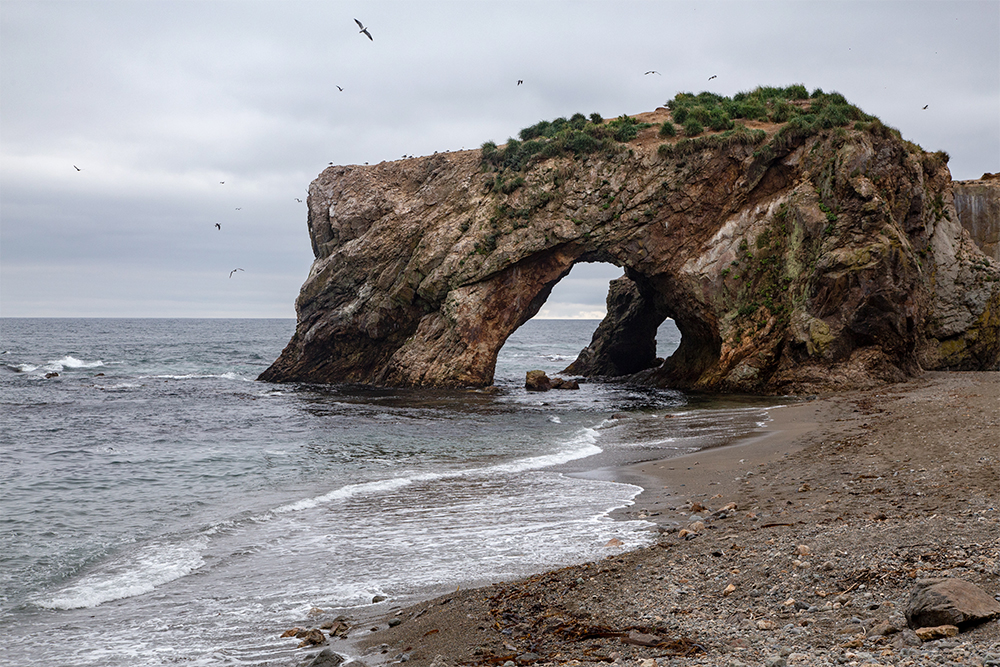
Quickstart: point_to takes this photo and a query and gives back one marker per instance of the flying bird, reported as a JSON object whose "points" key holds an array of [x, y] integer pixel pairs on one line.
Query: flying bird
{"points": [[239, 208], [234, 271], [298, 200], [218, 226], [363, 29], [926, 105], [222, 182], [714, 76], [340, 89], [652, 71], [78, 169], [520, 81]]}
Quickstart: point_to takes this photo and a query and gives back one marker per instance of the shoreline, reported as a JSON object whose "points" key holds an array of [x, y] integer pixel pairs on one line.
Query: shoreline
{"points": [[822, 518]]}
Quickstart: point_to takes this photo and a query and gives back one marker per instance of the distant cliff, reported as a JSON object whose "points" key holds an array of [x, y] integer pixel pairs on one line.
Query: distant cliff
{"points": [[804, 247], [978, 206]]}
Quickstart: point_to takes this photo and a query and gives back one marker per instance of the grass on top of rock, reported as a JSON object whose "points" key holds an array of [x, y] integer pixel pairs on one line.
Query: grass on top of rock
{"points": [[577, 135], [801, 114]]}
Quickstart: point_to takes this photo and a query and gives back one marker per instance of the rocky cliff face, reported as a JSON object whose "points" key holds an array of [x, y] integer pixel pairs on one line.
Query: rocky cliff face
{"points": [[978, 206], [794, 262]]}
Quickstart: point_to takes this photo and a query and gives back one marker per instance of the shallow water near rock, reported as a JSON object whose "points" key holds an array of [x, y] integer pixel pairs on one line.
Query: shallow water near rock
{"points": [[159, 505]]}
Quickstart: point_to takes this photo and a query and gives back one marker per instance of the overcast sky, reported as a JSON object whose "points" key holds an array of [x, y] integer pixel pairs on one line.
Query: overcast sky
{"points": [[157, 103]]}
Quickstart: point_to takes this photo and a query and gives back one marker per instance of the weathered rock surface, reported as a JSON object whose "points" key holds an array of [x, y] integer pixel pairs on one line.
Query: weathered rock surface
{"points": [[828, 261], [937, 602], [537, 381], [978, 206]]}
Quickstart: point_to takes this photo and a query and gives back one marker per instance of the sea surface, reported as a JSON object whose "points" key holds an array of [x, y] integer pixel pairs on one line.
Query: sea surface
{"points": [[159, 506]]}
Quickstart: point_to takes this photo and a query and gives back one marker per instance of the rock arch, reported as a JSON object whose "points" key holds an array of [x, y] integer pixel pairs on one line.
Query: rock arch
{"points": [[828, 261]]}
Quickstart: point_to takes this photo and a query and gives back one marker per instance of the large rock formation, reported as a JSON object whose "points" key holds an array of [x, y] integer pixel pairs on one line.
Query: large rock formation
{"points": [[793, 262], [978, 206]]}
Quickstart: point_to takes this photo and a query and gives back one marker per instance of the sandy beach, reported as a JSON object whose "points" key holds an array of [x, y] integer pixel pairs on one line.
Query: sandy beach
{"points": [[796, 546]]}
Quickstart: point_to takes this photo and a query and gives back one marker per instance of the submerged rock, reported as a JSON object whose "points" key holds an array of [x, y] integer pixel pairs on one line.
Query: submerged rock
{"points": [[791, 261]]}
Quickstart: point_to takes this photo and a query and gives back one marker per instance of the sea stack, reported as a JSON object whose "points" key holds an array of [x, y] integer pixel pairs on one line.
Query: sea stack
{"points": [[801, 247]]}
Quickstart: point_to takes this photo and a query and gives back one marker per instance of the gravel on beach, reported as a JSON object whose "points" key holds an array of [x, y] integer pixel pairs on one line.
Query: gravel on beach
{"points": [[800, 547]]}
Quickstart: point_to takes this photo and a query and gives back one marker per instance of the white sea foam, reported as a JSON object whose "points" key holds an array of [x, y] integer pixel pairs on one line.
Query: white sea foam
{"points": [[582, 446], [197, 376], [579, 447], [344, 492], [118, 386], [70, 361], [131, 574]]}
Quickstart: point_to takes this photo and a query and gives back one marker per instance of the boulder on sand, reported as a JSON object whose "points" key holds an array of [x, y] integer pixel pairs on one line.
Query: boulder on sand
{"points": [[936, 602]]}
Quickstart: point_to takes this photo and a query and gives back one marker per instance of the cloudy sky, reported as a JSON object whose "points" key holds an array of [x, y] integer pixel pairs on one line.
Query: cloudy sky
{"points": [[160, 102]]}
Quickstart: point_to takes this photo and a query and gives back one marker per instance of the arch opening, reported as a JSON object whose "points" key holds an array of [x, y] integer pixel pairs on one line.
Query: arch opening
{"points": [[596, 318]]}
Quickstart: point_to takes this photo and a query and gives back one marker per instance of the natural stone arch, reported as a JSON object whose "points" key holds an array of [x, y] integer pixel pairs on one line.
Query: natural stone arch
{"points": [[826, 261]]}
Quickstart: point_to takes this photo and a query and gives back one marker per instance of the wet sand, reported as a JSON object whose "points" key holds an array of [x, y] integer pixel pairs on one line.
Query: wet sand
{"points": [[795, 544]]}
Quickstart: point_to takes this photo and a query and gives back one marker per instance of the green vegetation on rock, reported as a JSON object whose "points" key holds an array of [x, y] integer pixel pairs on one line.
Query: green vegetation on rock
{"points": [[574, 136]]}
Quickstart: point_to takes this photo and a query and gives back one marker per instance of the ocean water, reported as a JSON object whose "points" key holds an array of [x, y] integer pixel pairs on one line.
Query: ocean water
{"points": [[159, 506]]}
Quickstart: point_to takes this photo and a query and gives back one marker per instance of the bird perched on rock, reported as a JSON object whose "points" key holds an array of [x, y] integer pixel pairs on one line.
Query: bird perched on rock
{"points": [[363, 29]]}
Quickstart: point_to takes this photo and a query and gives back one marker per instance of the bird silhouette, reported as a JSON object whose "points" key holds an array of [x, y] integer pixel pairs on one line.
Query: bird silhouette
{"points": [[652, 71], [239, 208], [926, 105], [218, 226], [222, 182], [714, 76], [340, 89], [298, 200], [363, 29], [234, 271], [520, 81], [78, 169]]}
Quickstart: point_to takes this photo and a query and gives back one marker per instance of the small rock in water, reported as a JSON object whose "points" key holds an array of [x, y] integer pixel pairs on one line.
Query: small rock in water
{"points": [[325, 658], [614, 542], [537, 381], [379, 598], [313, 637]]}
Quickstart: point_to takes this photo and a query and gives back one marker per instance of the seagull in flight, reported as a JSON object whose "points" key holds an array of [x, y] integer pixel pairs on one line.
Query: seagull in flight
{"points": [[234, 271], [78, 169], [520, 81], [363, 29], [340, 89], [298, 200], [926, 105], [714, 76], [239, 208], [218, 226], [652, 71]]}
